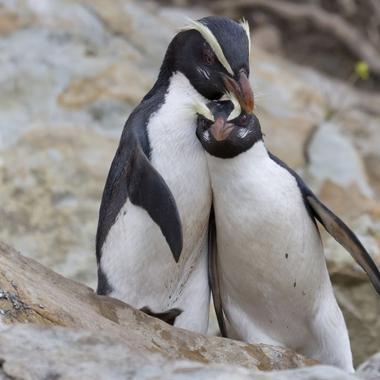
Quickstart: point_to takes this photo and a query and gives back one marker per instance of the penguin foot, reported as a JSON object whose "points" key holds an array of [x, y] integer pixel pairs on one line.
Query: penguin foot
{"points": [[168, 316]]}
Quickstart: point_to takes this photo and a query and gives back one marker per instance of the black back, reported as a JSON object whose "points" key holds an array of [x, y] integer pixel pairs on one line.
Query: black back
{"points": [[131, 175], [115, 192]]}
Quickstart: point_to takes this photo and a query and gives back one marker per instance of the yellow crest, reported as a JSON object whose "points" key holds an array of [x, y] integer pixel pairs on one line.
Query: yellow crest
{"points": [[244, 24], [201, 109], [211, 40]]}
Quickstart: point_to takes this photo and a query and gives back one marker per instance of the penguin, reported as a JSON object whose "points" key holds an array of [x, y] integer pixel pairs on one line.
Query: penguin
{"points": [[268, 272], [151, 242]]}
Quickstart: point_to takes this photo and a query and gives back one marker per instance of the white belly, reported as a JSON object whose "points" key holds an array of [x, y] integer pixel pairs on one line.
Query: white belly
{"points": [[136, 257], [274, 281]]}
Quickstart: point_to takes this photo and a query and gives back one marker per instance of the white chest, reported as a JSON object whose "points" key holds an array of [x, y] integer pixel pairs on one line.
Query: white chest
{"points": [[274, 282], [136, 257], [267, 243], [253, 191], [179, 157]]}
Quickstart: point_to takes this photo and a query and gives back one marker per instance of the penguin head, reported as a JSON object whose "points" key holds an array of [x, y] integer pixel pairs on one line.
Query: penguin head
{"points": [[224, 130], [213, 53]]}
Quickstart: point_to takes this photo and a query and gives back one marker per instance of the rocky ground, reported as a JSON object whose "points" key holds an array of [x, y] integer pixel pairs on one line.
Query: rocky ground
{"points": [[76, 334], [71, 71]]}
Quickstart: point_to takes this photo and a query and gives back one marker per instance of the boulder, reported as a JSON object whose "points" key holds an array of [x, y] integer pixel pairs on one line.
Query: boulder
{"points": [[35, 352], [332, 155], [53, 192], [356, 296], [370, 369], [31, 293]]}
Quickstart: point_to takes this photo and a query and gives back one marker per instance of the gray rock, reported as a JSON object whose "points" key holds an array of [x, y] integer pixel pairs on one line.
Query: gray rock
{"points": [[332, 156], [52, 183], [370, 369], [31, 352], [31, 293]]}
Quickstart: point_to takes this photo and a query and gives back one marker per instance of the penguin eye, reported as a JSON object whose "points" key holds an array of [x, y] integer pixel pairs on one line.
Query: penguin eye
{"points": [[202, 122], [208, 56], [243, 119]]}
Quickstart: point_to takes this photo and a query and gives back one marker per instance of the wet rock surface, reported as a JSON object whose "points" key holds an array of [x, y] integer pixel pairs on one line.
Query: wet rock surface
{"points": [[70, 74]]}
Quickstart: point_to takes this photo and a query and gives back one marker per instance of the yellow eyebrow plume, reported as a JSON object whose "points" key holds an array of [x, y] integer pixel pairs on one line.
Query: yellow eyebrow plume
{"points": [[211, 40], [237, 109], [244, 24], [201, 109]]}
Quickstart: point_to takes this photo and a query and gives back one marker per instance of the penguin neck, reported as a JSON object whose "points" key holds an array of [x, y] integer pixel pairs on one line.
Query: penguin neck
{"points": [[235, 173], [254, 139], [258, 150], [167, 70], [174, 122], [162, 83], [255, 156], [179, 99], [257, 153]]}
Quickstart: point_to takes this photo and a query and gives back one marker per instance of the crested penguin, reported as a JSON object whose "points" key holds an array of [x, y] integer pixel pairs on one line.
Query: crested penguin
{"points": [[268, 272], [151, 242]]}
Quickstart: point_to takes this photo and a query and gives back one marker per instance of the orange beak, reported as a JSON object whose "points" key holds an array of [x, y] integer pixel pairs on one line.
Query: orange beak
{"points": [[242, 90], [220, 130]]}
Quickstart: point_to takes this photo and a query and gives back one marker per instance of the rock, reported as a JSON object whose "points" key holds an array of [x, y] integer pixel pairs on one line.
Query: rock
{"points": [[370, 369], [361, 125], [33, 293], [53, 184], [372, 164], [338, 174], [285, 136], [360, 213], [348, 201], [280, 97], [10, 21], [361, 308], [358, 300], [268, 38], [32, 352], [332, 156], [116, 82]]}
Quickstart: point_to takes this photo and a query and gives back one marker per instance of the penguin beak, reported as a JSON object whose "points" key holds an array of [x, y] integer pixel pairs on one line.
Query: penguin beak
{"points": [[241, 88], [220, 129]]}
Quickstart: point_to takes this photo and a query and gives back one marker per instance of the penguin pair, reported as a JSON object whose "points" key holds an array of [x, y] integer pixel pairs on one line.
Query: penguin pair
{"points": [[268, 275], [151, 242], [267, 268]]}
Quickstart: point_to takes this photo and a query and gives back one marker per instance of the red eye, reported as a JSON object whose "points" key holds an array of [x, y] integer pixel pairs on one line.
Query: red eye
{"points": [[243, 119], [208, 57], [202, 123]]}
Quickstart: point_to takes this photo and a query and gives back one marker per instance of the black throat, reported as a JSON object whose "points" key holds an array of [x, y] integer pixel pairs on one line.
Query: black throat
{"points": [[244, 131]]}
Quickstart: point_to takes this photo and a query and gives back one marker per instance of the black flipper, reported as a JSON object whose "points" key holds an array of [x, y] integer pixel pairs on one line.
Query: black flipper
{"points": [[147, 189], [335, 227], [213, 274], [168, 316], [132, 175], [344, 236]]}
